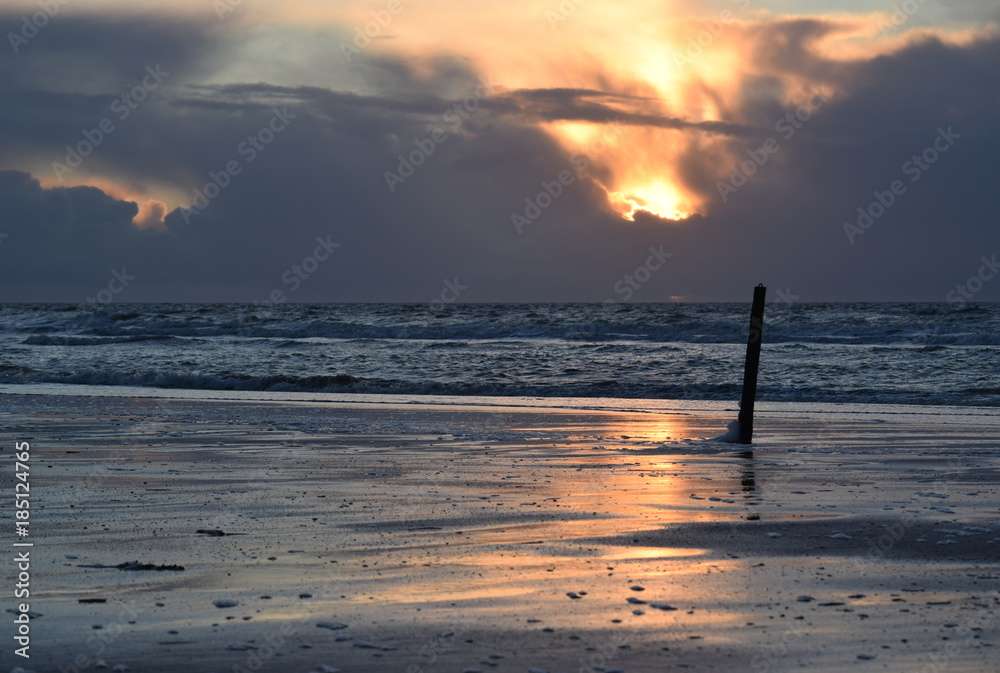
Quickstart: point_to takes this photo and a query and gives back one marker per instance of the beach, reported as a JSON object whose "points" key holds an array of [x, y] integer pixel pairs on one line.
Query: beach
{"points": [[414, 337], [384, 536]]}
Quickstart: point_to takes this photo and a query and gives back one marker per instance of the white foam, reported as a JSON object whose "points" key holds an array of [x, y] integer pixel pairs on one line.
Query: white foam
{"points": [[732, 434]]}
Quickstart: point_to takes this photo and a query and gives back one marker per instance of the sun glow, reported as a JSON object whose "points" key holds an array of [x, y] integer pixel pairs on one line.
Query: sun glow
{"points": [[674, 72], [658, 199]]}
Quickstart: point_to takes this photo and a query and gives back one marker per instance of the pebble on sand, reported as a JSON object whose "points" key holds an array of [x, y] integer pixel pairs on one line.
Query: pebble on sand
{"points": [[362, 644], [241, 647]]}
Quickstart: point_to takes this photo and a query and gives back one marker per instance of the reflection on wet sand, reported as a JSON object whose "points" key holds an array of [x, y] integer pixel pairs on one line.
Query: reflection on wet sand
{"points": [[560, 541]]}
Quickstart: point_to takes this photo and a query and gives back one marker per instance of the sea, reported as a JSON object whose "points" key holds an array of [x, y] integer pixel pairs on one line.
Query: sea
{"points": [[857, 353]]}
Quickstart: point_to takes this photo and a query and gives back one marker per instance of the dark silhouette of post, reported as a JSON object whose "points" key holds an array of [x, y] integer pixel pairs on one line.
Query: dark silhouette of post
{"points": [[752, 363]]}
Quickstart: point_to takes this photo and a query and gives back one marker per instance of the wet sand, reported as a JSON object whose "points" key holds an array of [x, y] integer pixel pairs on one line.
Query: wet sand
{"points": [[421, 538]]}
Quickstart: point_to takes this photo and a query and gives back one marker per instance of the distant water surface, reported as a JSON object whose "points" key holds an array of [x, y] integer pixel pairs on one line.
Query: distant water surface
{"points": [[934, 354]]}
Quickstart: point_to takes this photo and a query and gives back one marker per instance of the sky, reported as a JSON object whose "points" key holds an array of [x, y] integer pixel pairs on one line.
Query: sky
{"points": [[484, 151]]}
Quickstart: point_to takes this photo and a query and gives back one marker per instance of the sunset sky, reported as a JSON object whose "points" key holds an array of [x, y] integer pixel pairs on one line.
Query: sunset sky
{"points": [[408, 150]]}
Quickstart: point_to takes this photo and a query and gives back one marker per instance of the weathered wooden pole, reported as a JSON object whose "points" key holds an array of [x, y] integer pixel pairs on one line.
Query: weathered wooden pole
{"points": [[752, 363]]}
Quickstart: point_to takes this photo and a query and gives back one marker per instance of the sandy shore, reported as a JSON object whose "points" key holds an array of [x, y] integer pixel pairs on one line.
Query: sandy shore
{"points": [[424, 539]]}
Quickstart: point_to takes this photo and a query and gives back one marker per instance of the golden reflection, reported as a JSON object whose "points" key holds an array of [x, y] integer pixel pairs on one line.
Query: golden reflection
{"points": [[634, 430], [650, 554]]}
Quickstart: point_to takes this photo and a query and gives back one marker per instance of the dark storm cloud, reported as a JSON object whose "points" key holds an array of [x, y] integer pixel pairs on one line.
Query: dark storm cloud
{"points": [[527, 105], [601, 107], [98, 54], [891, 109], [323, 176], [68, 77], [65, 243]]}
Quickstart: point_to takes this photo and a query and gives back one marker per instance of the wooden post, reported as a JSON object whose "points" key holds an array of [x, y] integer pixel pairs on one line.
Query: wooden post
{"points": [[752, 364]]}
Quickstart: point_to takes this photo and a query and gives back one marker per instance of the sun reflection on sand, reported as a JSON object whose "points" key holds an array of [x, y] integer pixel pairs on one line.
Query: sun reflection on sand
{"points": [[541, 548], [598, 511], [636, 429]]}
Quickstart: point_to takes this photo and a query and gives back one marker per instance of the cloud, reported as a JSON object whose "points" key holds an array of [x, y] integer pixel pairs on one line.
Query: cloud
{"points": [[63, 238], [551, 105], [496, 155]]}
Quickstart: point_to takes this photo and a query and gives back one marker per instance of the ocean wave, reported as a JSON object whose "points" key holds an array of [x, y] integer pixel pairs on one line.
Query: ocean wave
{"points": [[893, 353], [345, 383], [453, 336], [831, 324], [76, 340], [168, 379]]}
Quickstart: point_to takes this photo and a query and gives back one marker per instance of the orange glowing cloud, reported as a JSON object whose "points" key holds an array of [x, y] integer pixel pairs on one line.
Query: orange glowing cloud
{"points": [[636, 49], [151, 211], [676, 74], [151, 215], [701, 69]]}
